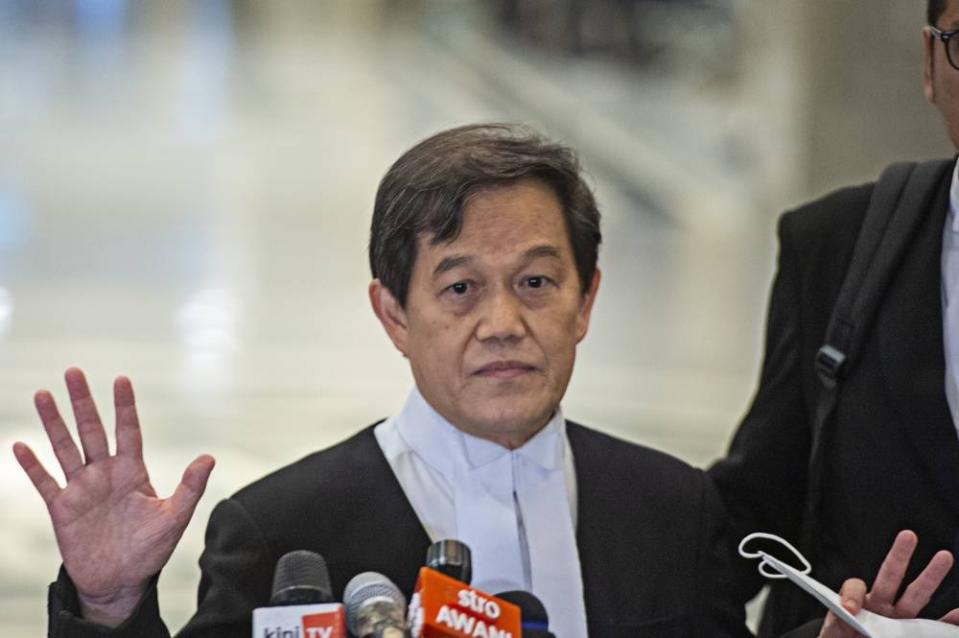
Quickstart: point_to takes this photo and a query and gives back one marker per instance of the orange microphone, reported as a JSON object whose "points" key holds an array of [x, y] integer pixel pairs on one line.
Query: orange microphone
{"points": [[443, 607]]}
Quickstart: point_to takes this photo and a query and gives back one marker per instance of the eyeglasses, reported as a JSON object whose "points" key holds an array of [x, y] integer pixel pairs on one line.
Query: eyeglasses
{"points": [[951, 43]]}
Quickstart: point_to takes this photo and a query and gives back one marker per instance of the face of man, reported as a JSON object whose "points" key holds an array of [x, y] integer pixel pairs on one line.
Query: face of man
{"points": [[940, 80], [493, 317]]}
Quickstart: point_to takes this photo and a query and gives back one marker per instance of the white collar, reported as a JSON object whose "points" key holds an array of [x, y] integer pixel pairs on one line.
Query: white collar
{"points": [[443, 447], [516, 510]]}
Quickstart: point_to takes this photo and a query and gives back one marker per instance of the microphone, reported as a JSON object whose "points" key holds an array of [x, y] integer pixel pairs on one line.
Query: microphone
{"points": [[443, 607], [301, 578], [301, 601], [374, 607], [452, 558], [533, 616]]}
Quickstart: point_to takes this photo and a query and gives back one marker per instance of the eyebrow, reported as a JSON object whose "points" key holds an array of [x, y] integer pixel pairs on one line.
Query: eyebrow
{"points": [[455, 261], [449, 263], [542, 251]]}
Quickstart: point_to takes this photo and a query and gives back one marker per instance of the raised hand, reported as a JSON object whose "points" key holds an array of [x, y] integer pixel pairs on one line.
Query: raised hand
{"points": [[881, 599], [114, 533]]}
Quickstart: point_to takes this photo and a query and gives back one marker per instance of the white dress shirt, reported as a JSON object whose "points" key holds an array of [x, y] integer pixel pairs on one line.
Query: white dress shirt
{"points": [[950, 298], [515, 509]]}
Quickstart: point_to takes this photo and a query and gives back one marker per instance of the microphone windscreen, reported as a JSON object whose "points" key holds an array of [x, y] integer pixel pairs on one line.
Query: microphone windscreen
{"points": [[533, 615], [301, 578], [451, 557], [372, 599]]}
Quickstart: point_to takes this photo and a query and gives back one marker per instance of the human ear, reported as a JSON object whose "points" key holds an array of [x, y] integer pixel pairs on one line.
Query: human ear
{"points": [[586, 306], [391, 314]]}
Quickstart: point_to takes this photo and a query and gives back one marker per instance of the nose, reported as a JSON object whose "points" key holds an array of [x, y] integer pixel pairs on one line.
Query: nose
{"points": [[501, 318]]}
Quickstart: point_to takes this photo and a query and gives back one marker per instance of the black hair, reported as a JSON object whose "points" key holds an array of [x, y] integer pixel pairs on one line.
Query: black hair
{"points": [[934, 11], [425, 191]]}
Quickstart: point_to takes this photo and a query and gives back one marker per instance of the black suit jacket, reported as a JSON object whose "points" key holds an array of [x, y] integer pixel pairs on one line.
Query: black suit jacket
{"points": [[892, 457], [649, 536]]}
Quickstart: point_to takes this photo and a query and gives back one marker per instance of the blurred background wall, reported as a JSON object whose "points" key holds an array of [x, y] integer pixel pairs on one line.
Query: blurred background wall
{"points": [[839, 83], [185, 191]]}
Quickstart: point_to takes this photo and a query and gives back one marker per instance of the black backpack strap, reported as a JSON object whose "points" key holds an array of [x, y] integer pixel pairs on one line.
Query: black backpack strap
{"points": [[899, 201]]}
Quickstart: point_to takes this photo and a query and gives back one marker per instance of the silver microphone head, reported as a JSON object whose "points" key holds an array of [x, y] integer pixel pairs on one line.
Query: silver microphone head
{"points": [[373, 604]]}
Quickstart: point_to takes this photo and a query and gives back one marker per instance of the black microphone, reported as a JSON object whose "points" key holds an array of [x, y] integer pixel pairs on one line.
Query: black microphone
{"points": [[301, 601], [451, 557], [375, 607], [533, 616], [301, 578]]}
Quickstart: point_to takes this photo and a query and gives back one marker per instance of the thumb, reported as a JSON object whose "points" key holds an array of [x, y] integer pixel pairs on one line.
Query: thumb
{"points": [[853, 595], [192, 485]]}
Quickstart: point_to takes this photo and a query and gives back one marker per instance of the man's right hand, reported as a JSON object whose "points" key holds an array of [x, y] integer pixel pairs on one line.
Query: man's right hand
{"points": [[884, 598], [114, 533]]}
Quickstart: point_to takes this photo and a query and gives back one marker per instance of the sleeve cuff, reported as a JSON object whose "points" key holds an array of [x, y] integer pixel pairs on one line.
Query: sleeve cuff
{"points": [[63, 608]]}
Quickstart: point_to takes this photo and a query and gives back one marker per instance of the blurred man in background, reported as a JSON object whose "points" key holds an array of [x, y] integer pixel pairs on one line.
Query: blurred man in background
{"points": [[888, 457]]}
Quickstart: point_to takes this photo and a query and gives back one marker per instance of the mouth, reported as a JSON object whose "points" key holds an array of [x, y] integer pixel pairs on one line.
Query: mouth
{"points": [[504, 370]]}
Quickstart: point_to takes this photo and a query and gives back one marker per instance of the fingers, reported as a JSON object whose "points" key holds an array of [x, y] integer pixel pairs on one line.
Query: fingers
{"points": [[40, 478], [920, 591], [63, 446], [129, 439], [893, 569], [92, 437], [192, 486]]}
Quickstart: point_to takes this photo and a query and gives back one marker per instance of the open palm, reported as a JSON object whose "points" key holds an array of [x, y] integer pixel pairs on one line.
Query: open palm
{"points": [[113, 532]]}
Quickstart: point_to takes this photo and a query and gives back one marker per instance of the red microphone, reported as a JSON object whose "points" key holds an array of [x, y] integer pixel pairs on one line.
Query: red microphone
{"points": [[443, 607]]}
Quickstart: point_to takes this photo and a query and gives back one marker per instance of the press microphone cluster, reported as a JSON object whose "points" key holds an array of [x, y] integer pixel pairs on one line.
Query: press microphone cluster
{"points": [[444, 605], [301, 603]]}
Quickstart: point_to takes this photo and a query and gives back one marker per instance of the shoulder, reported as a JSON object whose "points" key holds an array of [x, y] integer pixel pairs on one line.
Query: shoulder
{"points": [[829, 222], [336, 472], [816, 245], [615, 461], [834, 220], [631, 491]]}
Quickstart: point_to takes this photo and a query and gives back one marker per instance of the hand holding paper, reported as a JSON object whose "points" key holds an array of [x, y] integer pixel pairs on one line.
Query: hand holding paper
{"points": [[881, 599], [877, 613]]}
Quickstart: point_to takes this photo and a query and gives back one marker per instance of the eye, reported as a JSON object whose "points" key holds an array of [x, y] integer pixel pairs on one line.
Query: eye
{"points": [[459, 288], [536, 281]]}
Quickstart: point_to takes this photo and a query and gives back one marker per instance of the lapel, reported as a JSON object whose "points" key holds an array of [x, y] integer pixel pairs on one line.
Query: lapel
{"points": [[627, 591], [910, 333], [404, 553], [596, 517]]}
